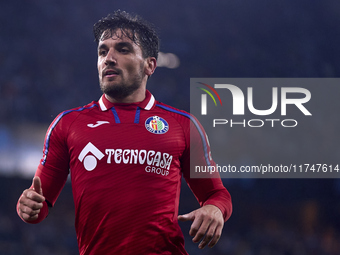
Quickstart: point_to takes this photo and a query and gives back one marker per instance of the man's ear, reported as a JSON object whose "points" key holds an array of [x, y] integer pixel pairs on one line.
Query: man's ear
{"points": [[150, 66]]}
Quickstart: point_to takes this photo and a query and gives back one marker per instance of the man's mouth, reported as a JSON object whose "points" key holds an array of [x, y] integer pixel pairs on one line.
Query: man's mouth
{"points": [[110, 73]]}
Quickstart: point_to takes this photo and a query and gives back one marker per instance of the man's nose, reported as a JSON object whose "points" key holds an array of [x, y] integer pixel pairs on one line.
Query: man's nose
{"points": [[110, 58]]}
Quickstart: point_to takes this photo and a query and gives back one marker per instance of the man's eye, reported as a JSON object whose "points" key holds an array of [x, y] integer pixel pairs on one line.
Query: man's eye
{"points": [[102, 52], [124, 50]]}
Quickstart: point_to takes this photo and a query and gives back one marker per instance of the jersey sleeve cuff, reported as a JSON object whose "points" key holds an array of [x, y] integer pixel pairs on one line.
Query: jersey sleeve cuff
{"points": [[226, 210]]}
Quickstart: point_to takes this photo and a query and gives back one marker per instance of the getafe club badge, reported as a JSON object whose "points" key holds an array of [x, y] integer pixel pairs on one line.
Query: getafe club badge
{"points": [[156, 125]]}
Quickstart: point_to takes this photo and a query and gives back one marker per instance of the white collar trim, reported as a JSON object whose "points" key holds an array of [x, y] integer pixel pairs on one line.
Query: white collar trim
{"points": [[150, 104], [101, 104]]}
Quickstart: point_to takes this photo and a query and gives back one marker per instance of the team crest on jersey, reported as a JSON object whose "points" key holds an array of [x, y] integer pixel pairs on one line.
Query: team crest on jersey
{"points": [[156, 125]]}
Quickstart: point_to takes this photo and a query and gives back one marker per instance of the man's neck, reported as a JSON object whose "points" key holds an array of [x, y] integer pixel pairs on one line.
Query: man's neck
{"points": [[135, 97]]}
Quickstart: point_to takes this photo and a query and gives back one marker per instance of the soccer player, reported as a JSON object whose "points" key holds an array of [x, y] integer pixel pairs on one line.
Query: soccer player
{"points": [[126, 154]]}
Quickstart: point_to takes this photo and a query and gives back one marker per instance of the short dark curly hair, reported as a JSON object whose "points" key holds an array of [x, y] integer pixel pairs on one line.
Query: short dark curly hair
{"points": [[134, 27]]}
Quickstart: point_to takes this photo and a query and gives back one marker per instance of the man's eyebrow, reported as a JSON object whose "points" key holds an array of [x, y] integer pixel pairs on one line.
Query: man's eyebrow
{"points": [[102, 46], [119, 44], [127, 44]]}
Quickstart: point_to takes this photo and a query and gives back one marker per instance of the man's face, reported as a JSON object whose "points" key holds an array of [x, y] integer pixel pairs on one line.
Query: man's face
{"points": [[121, 66]]}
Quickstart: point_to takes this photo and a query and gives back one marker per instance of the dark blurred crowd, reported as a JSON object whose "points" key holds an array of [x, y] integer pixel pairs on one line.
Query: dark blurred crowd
{"points": [[48, 54], [291, 220], [48, 64]]}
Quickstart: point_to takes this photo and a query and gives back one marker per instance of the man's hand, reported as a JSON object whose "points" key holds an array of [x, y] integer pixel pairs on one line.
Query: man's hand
{"points": [[207, 222], [31, 201]]}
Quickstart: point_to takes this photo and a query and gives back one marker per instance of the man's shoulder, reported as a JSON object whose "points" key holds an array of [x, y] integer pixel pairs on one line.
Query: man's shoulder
{"points": [[73, 113], [187, 120], [179, 114], [173, 110]]}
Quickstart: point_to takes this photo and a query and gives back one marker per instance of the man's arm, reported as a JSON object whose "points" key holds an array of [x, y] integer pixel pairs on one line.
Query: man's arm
{"points": [[216, 208], [213, 197], [50, 177]]}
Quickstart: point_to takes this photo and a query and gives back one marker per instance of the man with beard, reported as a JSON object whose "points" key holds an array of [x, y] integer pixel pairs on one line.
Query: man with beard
{"points": [[126, 154]]}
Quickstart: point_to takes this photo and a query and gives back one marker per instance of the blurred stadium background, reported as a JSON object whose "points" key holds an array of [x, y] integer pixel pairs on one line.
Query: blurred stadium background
{"points": [[48, 64]]}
